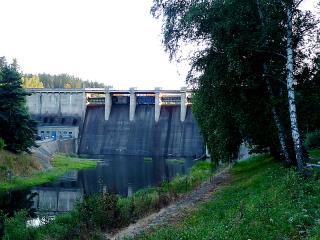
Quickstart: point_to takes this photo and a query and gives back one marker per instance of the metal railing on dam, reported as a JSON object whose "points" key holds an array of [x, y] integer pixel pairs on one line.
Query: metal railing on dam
{"points": [[73, 102]]}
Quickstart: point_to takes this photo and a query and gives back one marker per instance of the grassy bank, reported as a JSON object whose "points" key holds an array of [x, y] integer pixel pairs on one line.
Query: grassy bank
{"points": [[314, 156], [106, 212], [264, 201], [18, 164], [27, 173]]}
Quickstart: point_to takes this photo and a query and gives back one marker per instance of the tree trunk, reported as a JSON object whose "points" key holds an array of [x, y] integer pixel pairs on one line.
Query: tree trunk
{"points": [[281, 133], [291, 93]]}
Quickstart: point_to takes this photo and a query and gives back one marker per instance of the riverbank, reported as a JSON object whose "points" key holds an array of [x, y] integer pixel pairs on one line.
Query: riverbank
{"points": [[264, 201], [22, 171], [175, 211], [107, 212]]}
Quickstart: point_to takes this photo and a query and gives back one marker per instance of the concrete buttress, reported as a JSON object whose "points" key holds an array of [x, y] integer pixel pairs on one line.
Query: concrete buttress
{"points": [[157, 106], [108, 105], [183, 107], [133, 104]]}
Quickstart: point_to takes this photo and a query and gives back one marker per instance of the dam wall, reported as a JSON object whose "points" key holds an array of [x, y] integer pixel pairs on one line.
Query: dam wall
{"points": [[169, 136], [57, 103], [122, 122]]}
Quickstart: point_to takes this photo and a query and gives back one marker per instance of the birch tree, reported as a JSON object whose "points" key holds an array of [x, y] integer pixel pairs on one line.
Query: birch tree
{"points": [[241, 73], [290, 86], [278, 123]]}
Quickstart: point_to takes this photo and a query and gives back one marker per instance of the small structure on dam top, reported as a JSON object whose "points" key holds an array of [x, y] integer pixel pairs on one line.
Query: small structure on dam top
{"points": [[108, 121]]}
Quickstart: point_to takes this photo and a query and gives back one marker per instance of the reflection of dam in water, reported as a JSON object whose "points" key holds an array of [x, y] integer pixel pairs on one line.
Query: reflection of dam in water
{"points": [[117, 174], [60, 196]]}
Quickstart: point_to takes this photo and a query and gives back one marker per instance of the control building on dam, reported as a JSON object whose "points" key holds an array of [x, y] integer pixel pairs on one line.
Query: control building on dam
{"points": [[124, 122]]}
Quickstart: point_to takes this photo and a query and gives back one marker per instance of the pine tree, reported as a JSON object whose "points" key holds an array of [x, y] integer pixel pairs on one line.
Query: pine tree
{"points": [[16, 126]]}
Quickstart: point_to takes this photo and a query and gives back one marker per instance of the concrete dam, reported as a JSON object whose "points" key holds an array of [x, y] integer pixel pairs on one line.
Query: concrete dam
{"points": [[132, 122]]}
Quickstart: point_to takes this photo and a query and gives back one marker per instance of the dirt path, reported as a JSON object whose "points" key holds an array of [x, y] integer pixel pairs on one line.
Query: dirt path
{"points": [[175, 211]]}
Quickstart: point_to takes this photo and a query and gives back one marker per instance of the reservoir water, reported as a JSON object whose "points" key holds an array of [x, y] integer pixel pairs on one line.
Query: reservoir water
{"points": [[122, 175]]}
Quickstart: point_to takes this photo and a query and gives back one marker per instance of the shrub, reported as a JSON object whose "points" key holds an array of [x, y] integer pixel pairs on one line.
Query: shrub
{"points": [[16, 228], [2, 144], [99, 211], [312, 140], [64, 227]]}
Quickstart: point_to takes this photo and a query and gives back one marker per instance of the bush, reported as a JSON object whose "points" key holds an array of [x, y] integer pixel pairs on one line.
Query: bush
{"points": [[99, 211], [2, 144], [16, 228], [312, 140]]}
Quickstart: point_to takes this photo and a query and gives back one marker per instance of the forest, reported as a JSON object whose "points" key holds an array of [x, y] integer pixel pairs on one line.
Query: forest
{"points": [[45, 80]]}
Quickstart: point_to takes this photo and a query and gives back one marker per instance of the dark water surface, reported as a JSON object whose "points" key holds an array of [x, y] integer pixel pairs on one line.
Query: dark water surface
{"points": [[121, 175]]}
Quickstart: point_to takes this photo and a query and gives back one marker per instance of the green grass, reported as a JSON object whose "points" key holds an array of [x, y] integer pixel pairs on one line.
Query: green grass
{"points": [[61, 164], [315, 156], [175, 161], [264, 201], [18, 164], [147, 159]]}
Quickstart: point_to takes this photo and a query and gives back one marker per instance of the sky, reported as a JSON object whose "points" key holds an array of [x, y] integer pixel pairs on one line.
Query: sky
{"points": [[116, 42]]}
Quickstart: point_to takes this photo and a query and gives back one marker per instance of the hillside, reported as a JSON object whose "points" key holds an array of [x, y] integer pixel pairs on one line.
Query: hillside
{"points": [[264, 201]]}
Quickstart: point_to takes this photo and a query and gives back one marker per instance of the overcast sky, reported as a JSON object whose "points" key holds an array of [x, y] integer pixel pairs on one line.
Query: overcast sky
{"points": [[116, 42]]}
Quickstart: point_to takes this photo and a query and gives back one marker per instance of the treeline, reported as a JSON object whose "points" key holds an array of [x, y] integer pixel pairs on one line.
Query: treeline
{"points": [[256, 75], [45, 80]]}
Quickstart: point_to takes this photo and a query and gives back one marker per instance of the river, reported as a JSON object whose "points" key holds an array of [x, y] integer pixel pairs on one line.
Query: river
{"points": [[122, 175]]}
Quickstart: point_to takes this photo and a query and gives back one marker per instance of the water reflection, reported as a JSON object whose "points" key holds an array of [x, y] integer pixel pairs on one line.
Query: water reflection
{"points": [[122, 175], [13, 201]]}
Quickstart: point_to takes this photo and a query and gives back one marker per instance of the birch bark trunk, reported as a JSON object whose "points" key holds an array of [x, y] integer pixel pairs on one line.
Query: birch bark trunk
{"points": [[281, 133], [291, 93]]}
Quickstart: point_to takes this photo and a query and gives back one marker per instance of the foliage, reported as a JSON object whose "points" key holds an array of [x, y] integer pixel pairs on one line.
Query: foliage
{"points": [[308, 97], [21, 165], [2, 144], [312, 140], [57, 81], [32, 82], [314, 156], [16, 228], [98, 211], [264, 201], [16, 126], [61, 164], [236, 56]]}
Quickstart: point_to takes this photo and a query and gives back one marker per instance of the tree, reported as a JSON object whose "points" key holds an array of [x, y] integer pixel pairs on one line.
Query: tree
{"points": [[242, 65], [291, 7], [16, 126], [32, 82]]}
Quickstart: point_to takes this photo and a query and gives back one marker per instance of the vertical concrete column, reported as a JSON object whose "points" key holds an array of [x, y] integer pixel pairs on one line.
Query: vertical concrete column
{"points": [[157, 105], [107, 104], [133, 104], [59, 110], [84, 103], [183, 107], [40, 104]]}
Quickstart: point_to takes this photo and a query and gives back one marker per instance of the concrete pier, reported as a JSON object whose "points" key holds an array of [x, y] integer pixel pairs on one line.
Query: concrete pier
{"points": [[157, 105], [183, 107], [108, 104], [133, 104]]}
